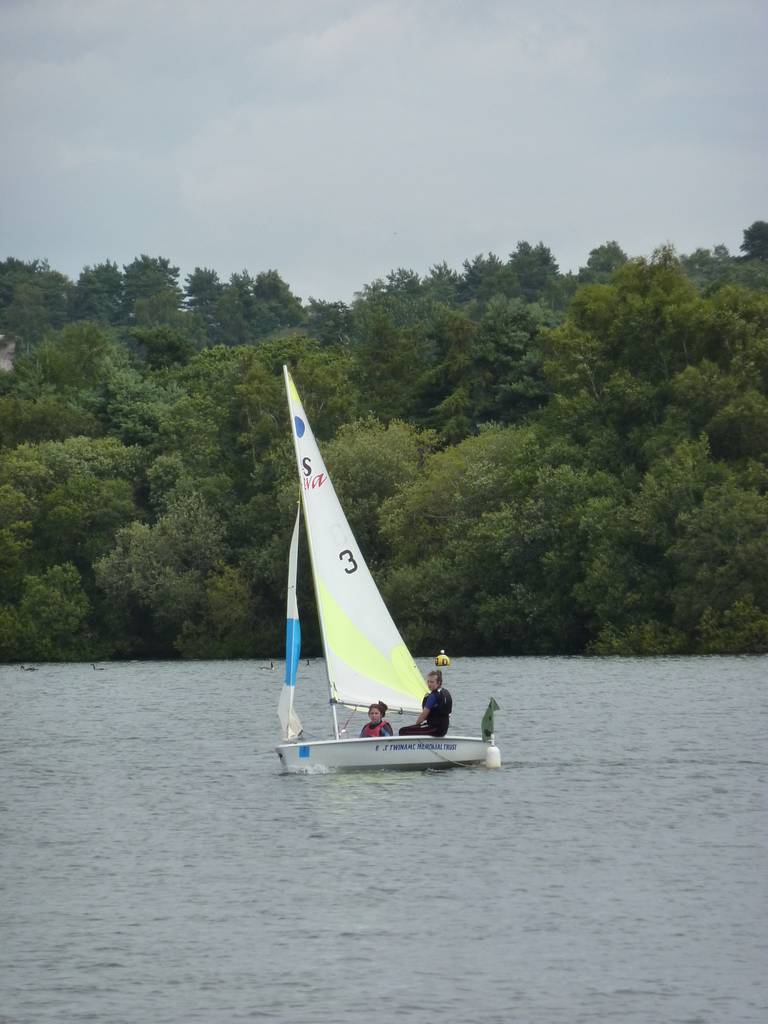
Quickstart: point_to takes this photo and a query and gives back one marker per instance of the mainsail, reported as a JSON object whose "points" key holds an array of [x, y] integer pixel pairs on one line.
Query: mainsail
{"points": [[288, 717], [365, 656]]}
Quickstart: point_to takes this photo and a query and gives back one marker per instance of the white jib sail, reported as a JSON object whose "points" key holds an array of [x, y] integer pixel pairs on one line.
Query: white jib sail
{"points": [[366, 658], [289, 720]]}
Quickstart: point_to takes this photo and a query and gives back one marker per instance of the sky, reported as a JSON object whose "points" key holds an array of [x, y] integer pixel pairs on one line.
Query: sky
{"points": [[337, 140]]}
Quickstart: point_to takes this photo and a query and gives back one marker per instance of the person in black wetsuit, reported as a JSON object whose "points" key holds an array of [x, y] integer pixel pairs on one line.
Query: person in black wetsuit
{"points": [[435, 710]]}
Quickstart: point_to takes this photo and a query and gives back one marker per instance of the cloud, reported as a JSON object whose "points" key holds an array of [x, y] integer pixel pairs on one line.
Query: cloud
{"points": [[334, 141]]}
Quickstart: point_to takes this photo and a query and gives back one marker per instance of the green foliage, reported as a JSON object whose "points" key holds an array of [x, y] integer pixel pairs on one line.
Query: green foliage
{"points": [[711, 269], [226, 627], [250, 308], [741, 629], [535, 268], [275, 305], [508, 358], [532, 461], [63, 503], [720, 554], [33, 299], [160, 572], [46, 418], [330, 322], [163, 346], [640, 639], [602, 263], [144, 279], [69, 365], [15, 526], [203, 293], [98, 294], [52, 619], [388, 364], [755, 244]]}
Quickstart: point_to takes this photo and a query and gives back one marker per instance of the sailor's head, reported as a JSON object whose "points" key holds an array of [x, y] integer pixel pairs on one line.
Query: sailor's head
{"points": [[435, 679], [375, 712]]}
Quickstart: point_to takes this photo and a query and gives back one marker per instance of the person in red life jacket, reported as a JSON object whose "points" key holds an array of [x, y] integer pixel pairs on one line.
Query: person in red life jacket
{"points": [[377, 725], [435, 710]]}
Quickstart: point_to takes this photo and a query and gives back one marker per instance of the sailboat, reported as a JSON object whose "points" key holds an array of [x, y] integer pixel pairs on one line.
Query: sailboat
{"points": [[366, 659]]}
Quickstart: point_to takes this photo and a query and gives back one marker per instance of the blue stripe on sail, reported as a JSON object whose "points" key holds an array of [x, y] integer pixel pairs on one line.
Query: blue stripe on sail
{"points": [[292, 650]]}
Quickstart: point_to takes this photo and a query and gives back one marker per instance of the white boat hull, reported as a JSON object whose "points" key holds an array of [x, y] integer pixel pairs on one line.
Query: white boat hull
{"points": [[381, 752]]}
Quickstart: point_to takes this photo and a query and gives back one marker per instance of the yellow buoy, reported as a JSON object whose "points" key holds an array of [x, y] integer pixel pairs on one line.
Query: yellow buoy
{"points": [[442, 659]]}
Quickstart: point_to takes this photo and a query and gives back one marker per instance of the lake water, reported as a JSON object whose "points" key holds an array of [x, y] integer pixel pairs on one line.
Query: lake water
{"points": [[157, 867]]}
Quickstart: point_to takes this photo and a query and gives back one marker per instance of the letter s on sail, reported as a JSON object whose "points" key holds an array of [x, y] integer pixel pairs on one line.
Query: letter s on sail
{"points": [[306, 466]]}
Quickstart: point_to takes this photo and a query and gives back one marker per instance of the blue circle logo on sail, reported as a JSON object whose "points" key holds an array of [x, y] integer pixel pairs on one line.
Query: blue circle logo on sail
{"points": [[300, 428]]}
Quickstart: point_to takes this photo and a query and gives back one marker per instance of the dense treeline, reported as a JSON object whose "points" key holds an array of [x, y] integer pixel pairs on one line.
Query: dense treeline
{"points": [[533, 462]]}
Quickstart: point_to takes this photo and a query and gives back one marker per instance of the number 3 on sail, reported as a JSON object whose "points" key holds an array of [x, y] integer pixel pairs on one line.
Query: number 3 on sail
{"points": [[365, 658]]}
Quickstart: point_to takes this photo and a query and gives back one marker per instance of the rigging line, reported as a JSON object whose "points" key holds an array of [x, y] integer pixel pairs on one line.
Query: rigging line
{"points": [[458, 764], [344, 727]]}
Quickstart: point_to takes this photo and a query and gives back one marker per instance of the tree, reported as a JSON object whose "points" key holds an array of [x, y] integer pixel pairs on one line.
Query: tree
{"points": [[741, 629], [12, 273], [755, 244], [442, 284], [98, 294], [509, 362], [203, 291], [226, 627], [73, 495], [720, 554], [68, 364], [329, 322], [162, 310], [602, 263], [388, 364], [45, 418], [534, 268], [484, 277], [133, 406], [53, 616], [400, 299], [26, 318], [15, 527], [33, 298], [145, 278], [158, 573], [275, 306], [234, 309], [709, 267], [163, 346], [78, 518], [447, 389]]}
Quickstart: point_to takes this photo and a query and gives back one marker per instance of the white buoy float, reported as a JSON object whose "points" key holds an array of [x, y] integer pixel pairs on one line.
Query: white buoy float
{"points": [[492, 755]]}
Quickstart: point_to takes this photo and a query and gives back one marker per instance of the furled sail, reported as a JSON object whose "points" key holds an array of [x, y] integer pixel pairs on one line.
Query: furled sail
{"points": [[288, 717], [366, 658]]}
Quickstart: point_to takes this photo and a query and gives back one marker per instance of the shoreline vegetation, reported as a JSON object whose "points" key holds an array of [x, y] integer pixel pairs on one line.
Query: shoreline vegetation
{"points": [[534, 463]]}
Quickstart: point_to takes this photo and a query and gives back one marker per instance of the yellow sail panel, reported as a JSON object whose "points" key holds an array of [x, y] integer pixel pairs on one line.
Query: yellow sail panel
{"points": [[292, 388], [366, 673]]}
